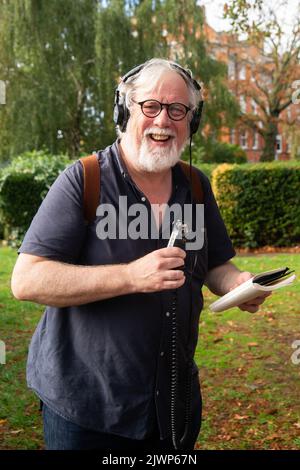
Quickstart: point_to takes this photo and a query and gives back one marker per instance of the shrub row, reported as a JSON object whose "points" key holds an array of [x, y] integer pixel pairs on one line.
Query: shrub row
{"points": [[23, 185], [260, 203]]}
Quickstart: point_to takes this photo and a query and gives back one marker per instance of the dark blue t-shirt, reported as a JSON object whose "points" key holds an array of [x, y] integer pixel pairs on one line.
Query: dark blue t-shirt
{"points": [[106, 365]]}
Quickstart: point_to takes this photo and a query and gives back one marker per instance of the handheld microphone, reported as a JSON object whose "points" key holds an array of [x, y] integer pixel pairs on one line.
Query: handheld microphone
{"points": [[179, 234]]}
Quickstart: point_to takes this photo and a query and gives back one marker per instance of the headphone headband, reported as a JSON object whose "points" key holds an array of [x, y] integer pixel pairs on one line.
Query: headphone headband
{"points": [[122, 113]]}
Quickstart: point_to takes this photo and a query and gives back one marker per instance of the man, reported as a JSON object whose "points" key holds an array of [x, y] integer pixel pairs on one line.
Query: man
{"points": [[101, 358]]}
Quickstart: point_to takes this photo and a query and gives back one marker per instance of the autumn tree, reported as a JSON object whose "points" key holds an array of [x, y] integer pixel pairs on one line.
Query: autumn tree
{"points": [[274, 69]]}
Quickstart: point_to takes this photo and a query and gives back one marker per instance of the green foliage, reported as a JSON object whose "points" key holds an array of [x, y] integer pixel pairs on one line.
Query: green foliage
{"points": [[23, 185], [62, 61], [207, 169], [222, 152], [260, 203], [47, 58]]}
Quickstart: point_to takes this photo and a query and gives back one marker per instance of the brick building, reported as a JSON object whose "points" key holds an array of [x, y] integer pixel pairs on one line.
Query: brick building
{"points": [[244, 60]]}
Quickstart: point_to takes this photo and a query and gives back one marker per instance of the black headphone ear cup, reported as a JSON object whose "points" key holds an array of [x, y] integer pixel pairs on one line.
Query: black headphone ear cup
{"points": [[126, 115], [121, 112], [118, 114], [195, 122]]}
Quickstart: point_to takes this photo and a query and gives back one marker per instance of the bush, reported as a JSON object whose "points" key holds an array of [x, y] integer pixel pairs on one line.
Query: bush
{"points": [[223, 152], [260, 203], [23, 185]]}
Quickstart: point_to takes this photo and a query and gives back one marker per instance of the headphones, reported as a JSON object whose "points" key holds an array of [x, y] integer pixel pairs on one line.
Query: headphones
{"points": [[122, 113]]}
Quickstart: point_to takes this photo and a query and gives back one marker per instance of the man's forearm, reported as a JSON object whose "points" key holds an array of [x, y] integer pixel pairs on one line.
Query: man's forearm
{"points": [[49, 282], [59, 284], [219, 280]]}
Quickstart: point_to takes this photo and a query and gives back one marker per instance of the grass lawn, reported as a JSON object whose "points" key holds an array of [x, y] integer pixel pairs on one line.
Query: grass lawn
{"points": [[250, 386]]}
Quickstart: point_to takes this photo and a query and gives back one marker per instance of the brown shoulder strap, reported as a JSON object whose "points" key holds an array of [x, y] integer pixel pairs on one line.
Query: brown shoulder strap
{"points": [[196, 181], [91, 186]]}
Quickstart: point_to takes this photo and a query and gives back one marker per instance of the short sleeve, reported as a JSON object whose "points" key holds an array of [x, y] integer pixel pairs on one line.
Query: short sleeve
{"points": [[220, 248], [57, 231]]}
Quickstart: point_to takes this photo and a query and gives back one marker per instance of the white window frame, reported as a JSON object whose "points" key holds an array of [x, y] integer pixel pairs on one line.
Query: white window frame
{"points": [[242, 72], [243, 103], [231, 69], [254, 106], [279, 141], [255, 140]]}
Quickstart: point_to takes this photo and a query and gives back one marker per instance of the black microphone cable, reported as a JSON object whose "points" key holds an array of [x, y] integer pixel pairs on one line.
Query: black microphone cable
{"points": [[178, 443]]}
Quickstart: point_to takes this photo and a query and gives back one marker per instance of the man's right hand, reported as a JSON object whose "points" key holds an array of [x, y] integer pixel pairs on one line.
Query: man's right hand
{"points": [[157, 270]]}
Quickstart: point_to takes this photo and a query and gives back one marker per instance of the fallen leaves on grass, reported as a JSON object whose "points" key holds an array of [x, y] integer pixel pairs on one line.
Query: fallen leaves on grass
{"points": [[17, 431], [272, 437], [218, 340], [241, 417]]}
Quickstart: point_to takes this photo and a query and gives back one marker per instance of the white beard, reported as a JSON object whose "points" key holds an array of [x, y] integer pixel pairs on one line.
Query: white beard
{"points": [[159, 159]]}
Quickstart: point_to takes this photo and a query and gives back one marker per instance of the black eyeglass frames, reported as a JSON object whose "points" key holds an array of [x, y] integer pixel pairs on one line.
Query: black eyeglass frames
{"points": [[152, 108]]}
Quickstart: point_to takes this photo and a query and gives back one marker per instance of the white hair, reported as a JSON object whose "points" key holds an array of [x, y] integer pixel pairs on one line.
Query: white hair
{"points": [[149, 75]]}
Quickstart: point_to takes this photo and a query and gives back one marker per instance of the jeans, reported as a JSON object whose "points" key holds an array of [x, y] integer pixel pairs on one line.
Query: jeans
{"points": [[61, 434]]}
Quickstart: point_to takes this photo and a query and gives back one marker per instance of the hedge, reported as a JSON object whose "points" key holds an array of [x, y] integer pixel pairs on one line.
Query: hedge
{"points": [[23, 185], [260, 203]]}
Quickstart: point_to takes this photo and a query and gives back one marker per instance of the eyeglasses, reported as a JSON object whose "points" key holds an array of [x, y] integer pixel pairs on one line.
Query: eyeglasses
{"points": [[152, 108]]}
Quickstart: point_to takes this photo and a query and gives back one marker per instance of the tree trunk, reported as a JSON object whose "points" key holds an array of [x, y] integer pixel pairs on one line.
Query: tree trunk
{"points": [[269, 150]]}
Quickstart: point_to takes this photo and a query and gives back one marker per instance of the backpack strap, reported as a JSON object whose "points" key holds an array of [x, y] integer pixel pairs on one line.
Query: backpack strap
{"points": [[91, 186], [196, 181]]}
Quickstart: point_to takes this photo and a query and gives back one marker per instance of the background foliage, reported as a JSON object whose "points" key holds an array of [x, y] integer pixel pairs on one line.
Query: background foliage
{"points": [[61, 62], [260, 204], [23, 185]]}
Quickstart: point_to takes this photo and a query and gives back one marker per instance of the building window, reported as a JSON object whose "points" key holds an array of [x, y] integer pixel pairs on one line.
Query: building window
{"points": [[243, 103], [242, 72], [255, 140], [232, 136], [243, 139], [231, 69], [253, 106], [278, 143]]}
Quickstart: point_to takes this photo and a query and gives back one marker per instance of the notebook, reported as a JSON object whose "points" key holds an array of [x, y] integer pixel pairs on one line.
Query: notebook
{"points": [[258, 284]]}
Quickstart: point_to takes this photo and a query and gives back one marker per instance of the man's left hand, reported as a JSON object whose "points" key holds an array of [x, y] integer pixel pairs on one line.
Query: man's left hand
{"points": [[252, 305]]}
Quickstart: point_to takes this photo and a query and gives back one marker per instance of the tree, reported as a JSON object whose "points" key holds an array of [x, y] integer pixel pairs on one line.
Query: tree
{"points": [[175, 29], [274, 69], [115, 55], [61, 62], [47, 59]]}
